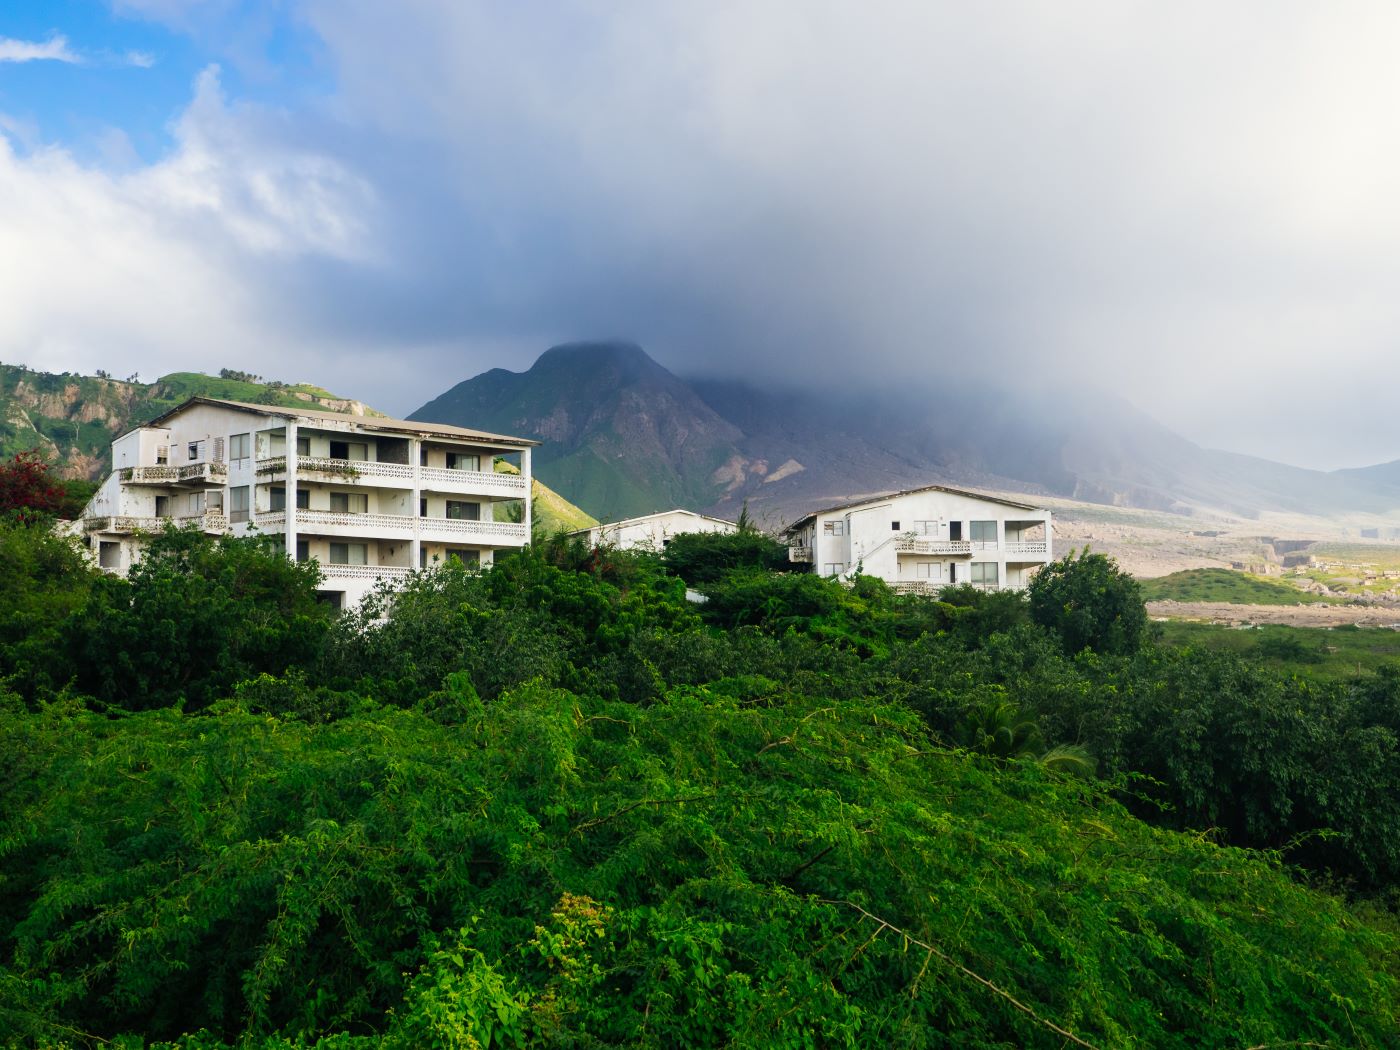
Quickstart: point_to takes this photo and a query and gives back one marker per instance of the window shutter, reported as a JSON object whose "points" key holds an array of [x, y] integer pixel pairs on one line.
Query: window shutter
{"points": [[218, 450]]}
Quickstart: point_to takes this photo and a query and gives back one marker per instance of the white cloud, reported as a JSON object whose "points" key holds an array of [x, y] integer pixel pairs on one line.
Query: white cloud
{"points": [[1192, 204], [180, 265], [139, 59], [54, 49]]}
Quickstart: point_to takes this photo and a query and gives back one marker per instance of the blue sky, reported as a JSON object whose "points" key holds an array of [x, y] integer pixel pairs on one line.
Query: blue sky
{"points": [[132, 69], [1191, 205]]}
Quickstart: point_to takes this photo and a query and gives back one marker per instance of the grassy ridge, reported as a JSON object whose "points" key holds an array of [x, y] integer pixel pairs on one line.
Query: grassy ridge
{"points": [[1324, 654], [1225, 585]]}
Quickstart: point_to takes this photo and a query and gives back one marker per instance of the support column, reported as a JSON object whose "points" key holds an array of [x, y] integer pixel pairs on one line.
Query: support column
{"points": [[529, 486], [415, 457], [290, 514]]}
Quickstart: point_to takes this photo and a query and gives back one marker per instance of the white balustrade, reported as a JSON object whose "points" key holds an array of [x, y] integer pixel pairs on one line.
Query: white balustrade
{"points": [[914, 546]]}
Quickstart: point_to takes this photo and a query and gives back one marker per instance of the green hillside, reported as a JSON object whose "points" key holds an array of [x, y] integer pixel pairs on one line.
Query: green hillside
{"points": [[74, 418], [1224, 585]]}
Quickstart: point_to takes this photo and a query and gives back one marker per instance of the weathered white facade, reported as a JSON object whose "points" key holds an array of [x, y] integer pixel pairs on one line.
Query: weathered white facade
{"points": [[653, 531], [369, 498], [924, 539]]}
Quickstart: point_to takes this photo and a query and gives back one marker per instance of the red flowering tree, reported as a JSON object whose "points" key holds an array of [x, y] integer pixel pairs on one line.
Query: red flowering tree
{"points": [[28, 488]]}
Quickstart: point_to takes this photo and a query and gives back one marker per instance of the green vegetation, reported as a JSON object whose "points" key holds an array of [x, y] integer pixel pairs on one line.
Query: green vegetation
{"points": [[555, 803], [1089, 603], [1225, 585], [1333, 654]]}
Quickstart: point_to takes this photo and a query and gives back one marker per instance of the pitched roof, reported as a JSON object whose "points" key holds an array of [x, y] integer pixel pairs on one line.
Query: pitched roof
{"points": [[807, 518], [648, 517], [405, 426]]}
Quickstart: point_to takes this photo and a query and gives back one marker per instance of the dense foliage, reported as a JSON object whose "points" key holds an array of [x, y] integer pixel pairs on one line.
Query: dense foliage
{"points": [[558, 803], [28, 489], [1089, 603]]}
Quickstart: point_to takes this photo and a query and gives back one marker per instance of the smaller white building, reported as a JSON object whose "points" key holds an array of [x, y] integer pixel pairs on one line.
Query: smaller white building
{"points": [[922, 540], [653, 531]]}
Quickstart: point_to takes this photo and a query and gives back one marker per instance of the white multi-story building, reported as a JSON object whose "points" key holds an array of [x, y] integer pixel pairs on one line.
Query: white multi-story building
{"points": [[653, 531], [370, 498], [924, 539]]}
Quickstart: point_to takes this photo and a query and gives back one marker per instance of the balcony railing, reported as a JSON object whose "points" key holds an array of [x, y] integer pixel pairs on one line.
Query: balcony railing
{"points": [[925, 587], [916, 546], [208, 473], [395, 525], [800, 554], [475, 480], [363, 572], [433, 478], [210, 521], [1031, 548]]}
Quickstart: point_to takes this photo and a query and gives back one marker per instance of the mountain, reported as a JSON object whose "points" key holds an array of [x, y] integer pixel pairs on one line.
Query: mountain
{"points": [[624, 436], [74, 419]]}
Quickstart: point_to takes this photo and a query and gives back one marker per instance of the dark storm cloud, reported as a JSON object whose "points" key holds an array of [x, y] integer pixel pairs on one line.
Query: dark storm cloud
{"points": [[1191, 206]]}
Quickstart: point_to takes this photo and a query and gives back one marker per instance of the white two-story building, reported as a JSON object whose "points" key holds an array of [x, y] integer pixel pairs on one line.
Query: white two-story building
{"points": [[370, 498], [924, 539]]}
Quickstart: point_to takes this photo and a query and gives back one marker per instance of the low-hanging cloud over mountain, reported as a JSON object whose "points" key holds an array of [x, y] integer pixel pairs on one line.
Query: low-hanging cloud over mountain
{"points": [[1191, 205]]}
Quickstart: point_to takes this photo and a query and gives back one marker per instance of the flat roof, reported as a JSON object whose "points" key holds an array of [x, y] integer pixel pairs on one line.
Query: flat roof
{"points": [[403, 426], [802, 521], [647, 517]]}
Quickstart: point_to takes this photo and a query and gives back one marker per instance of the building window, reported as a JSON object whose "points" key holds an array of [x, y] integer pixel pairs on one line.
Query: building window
{"points": [[303, 499], [984, 572], [467, 558], [983, 532], [303, 550], [196, 450], [238, 503], [834, 528], [196, 503], [349, 554], [277, 499], [350, 502], [894, 526], [926, 528], [349, 450], [303, 446], [240, 446], [422, 508], [422, 455], [109, 554], [463, 461], [835, 568], [422, 557], [929, 570], [215, 501], [459, 511]]}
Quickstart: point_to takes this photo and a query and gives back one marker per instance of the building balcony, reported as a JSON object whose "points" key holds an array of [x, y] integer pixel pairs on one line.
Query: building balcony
{"points": [[800, 554], [397, 476], [191, 474], [1032, 550], [490, 482], [127, 524], [398, 526], [946, 547]]}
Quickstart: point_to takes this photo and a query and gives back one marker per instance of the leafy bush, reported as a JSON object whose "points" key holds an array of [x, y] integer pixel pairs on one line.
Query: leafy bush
{"points": [[196, 616], [1090, 603], [704, 557], [559, 870]]}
